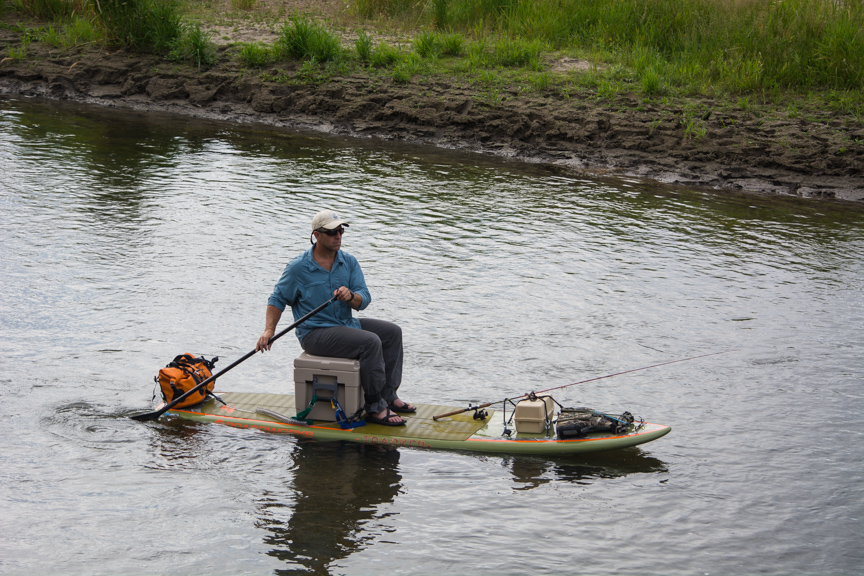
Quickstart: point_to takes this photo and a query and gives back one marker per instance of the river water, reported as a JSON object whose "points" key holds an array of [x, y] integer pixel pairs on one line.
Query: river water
{"points": [[126, 239]]}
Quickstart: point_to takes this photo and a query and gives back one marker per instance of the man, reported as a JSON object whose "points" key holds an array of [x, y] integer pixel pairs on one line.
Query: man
{"points": [[317, 275]]}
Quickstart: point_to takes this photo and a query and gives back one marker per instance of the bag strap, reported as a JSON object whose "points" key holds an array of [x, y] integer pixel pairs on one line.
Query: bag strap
{"points": [[189, 360], [344, 421], [180, 361], [302, 415]]}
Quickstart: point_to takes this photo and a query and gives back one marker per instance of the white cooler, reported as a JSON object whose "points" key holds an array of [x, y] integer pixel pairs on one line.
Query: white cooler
{"points": [[323, 376]]}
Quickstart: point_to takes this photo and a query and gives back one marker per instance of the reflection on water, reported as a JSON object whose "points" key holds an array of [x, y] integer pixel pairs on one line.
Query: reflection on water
{"points": [[334, 506], [178, 445], [531, 472]]}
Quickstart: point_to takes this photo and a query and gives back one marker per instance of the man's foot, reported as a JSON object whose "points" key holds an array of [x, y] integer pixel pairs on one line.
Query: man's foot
{"points": [[385, 418], [400, 405]]}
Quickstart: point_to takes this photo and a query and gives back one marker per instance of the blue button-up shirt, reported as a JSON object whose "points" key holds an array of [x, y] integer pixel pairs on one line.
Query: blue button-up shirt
{"points": [[305, 285]]}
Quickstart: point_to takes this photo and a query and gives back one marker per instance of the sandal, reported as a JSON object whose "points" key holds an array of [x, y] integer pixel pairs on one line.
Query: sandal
{"points": [[386, 421], [405, 408]]}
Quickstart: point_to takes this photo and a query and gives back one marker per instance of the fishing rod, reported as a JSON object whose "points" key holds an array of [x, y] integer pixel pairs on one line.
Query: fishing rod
{"points": [[487, 404], [155, 415]]}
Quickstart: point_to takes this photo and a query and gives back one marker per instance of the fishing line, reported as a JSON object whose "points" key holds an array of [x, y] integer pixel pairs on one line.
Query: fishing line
{"points": [[627, 372], [487, 404]]}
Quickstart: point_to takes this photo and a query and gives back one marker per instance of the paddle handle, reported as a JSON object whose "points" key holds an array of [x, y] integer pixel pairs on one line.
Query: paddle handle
{"points": [[154, 415], [462, 410]]}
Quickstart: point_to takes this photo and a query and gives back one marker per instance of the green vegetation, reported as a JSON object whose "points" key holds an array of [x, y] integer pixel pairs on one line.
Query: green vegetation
{"points": [[194, 46], [49, 9], [742, 50], [385, 55], [732, 45], [429, 44], [363, 45], [304, 40], [140, 25], [256, 54], [243, 4]]}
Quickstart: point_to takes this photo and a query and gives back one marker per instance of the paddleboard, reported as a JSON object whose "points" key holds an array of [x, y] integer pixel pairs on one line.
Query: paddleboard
{"points": [[459, 432]]}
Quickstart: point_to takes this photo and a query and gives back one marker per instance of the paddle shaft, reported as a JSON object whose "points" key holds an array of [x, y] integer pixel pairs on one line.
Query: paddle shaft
{"points": [[155, 415], [575, 383]]}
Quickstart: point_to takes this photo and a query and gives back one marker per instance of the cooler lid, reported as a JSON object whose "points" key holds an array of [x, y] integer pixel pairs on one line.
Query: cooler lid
{"points": [[326, 363]]}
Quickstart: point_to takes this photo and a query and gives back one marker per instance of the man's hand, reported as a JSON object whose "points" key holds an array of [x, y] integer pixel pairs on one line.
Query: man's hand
{"points": [[264, 341], [344, 294], [273, 316]]}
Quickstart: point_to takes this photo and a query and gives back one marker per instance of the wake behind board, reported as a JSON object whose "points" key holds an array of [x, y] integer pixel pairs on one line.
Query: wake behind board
{"points": [[459, 432]]}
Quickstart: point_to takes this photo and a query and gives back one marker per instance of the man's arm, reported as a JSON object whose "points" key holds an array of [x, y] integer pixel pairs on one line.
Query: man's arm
{"points": [[273, 316], [357, 283]]}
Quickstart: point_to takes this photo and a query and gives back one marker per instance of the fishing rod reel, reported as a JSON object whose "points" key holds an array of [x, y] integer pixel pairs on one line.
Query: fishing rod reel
{"points": [[479, 413]]}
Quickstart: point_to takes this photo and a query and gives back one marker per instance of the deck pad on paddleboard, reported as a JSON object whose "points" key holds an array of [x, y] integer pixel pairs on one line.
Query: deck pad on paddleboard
{"points": [[459, 432], [419, 424]]}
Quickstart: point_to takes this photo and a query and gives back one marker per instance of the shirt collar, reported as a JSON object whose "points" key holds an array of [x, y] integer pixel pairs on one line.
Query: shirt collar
{"points": [[310, 259]]}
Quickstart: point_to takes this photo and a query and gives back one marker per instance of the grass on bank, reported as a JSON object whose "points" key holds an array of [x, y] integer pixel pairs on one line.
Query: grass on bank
{"points": [[655, 47], [735, 45], [154, 26]]}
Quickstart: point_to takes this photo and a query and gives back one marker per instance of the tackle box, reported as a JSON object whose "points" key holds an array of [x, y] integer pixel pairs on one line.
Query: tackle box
{"points": [[323, 376], [534, 416]]}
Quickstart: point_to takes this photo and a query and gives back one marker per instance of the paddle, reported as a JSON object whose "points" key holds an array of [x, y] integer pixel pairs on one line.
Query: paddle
{"points": [[155, 415]]}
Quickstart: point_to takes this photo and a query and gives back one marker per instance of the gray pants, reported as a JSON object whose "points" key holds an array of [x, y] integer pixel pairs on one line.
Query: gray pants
{"points": [[378, 346]]}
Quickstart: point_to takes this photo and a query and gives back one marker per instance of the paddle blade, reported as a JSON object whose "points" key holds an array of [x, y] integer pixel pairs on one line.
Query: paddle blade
{"points": [[147, 417]]}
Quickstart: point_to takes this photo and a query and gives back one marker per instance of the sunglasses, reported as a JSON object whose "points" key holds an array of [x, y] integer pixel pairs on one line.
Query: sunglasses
{"points": [[333, 232]]}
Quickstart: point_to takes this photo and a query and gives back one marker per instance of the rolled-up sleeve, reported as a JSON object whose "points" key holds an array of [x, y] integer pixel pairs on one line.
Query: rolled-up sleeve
{"points": [[357, 283], [285, 291]]}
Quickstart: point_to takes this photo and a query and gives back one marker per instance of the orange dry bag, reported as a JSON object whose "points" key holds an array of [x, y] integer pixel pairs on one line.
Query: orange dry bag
{"points": [[184, 373]]}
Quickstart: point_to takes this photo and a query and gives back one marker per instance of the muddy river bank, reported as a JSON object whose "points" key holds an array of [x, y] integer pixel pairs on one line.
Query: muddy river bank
{"points": [[697, 142]]}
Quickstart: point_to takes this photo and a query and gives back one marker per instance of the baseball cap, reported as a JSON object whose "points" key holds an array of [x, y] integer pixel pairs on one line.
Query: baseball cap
{"points": [[327, 219]]}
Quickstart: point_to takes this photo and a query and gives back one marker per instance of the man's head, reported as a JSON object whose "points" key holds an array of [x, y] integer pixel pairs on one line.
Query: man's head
{"points": [[327, 220], [327, 229]]}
